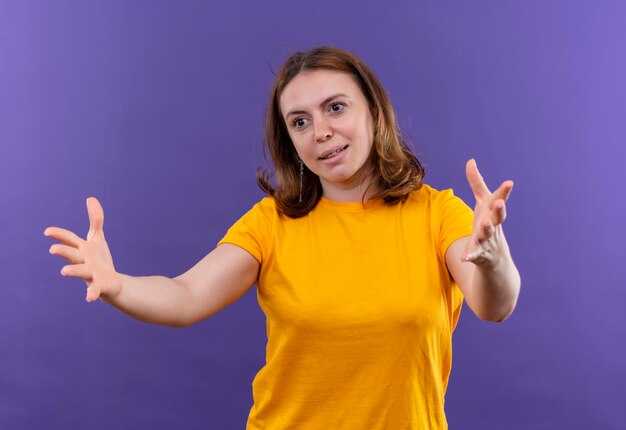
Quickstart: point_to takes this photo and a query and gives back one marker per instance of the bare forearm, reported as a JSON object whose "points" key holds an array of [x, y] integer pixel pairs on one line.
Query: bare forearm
{"points": [[153, 299], [496, 280], [491, 285], [495, 289]]}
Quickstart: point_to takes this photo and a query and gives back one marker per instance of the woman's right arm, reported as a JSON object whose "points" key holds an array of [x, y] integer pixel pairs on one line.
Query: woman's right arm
{"points": [[216, 281]]}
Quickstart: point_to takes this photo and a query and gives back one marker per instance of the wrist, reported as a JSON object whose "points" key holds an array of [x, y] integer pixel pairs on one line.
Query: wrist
{"points": [[114, 286]]}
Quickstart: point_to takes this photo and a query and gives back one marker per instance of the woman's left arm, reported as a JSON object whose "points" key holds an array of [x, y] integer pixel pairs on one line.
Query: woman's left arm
{"points": [[481, 264]]}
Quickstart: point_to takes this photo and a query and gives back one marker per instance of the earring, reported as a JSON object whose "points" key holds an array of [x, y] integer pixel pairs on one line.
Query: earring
{"points": [[301, 175]]}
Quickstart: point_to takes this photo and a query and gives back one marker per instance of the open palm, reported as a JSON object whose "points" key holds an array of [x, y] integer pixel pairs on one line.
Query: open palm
{"points": [[91, 258], [489, 214]]}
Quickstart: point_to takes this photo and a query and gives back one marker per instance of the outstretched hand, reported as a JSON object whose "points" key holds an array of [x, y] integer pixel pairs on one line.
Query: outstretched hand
{"points": [[91, 259], [484, 245]]}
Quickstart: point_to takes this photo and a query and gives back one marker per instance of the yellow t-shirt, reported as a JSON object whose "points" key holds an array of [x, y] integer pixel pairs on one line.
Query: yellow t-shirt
{"points": [[360, 311]]}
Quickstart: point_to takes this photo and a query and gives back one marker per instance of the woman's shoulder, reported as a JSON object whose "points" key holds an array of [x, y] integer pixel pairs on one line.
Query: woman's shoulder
{"points": [[265, 207], [425, 191], [433, 196], [267, 202]]}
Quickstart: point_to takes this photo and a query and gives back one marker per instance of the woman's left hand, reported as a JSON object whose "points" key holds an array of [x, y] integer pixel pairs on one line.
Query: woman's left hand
{"points": [[486, 244]]}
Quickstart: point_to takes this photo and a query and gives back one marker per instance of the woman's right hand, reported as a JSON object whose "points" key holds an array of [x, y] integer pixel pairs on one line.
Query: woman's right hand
{"points": [[91, 259]]}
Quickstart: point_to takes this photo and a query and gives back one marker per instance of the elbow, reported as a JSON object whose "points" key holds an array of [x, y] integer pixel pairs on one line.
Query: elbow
{"points": [[189, 320], [180, 323], [491, 318], [497, 315], [163, 322], [498, 319]]}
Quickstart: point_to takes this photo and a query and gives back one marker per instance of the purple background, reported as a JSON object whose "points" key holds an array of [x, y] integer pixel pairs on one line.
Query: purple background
{"points": [[156, 108]]}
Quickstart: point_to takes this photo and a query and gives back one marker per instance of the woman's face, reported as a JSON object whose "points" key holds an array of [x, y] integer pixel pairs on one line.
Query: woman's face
{"points": [[330, 125]]}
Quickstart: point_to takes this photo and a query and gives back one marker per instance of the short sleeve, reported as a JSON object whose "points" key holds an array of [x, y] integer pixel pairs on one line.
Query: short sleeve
{"points": [[253, 230], [454, 219]]}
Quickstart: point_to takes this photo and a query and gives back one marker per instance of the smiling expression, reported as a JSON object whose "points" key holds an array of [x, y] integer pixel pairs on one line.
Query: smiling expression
{"points": [[331, 127]]}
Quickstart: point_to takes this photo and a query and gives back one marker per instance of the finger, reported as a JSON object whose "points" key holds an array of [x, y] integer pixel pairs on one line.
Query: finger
{"points": [[477, 256], [479, 188], [96, 217], [77, 271], [471, 257], [476, 252], [71, 254], [93, 293], [504, 191], [473, 250], [498, 212], [65, 236], [485, 231], [470, 249]]}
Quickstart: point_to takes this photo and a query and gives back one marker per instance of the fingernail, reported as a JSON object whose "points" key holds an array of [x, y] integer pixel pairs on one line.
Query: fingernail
{"points": [[45, 232], [62, 272], [50, 251]]}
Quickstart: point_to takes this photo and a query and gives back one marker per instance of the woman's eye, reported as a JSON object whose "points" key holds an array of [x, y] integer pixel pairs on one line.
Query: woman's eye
{"points": [[298, 122], [336, 107]]}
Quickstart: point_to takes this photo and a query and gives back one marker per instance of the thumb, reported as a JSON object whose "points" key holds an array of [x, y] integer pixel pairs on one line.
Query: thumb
{"points": [[93, 293], [96, 217]]}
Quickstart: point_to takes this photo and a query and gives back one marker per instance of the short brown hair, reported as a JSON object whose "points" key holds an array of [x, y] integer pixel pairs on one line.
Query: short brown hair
{"points": [[395, 169]]}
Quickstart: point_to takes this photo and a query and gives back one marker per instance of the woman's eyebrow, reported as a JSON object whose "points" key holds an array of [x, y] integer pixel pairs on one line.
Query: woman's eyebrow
{"points": [[324, 102], [328, 99]]}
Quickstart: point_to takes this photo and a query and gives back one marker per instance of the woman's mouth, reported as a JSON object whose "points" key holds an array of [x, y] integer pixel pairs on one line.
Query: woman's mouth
{"points": [[327, 156]]}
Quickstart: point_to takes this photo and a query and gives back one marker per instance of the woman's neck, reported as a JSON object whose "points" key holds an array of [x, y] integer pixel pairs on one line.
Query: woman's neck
{"points": [[349, 191]]}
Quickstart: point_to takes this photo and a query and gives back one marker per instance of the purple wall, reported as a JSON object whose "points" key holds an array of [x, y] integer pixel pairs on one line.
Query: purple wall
{"points": [[156, 108]]}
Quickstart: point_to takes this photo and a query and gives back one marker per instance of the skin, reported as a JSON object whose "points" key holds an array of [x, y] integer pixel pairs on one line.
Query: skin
{"points": [[323, 110], [481, 264], [213, 283]]}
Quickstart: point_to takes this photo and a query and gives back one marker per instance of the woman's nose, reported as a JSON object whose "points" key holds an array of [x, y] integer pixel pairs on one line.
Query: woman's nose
{"points": [[323, 130]]}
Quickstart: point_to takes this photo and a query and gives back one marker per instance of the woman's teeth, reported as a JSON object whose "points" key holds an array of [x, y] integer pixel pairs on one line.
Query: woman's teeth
{"points": [[332, 154]]}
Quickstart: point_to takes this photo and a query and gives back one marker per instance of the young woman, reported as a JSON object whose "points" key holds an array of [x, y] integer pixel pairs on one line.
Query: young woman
{"points": [[361, 268]]}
